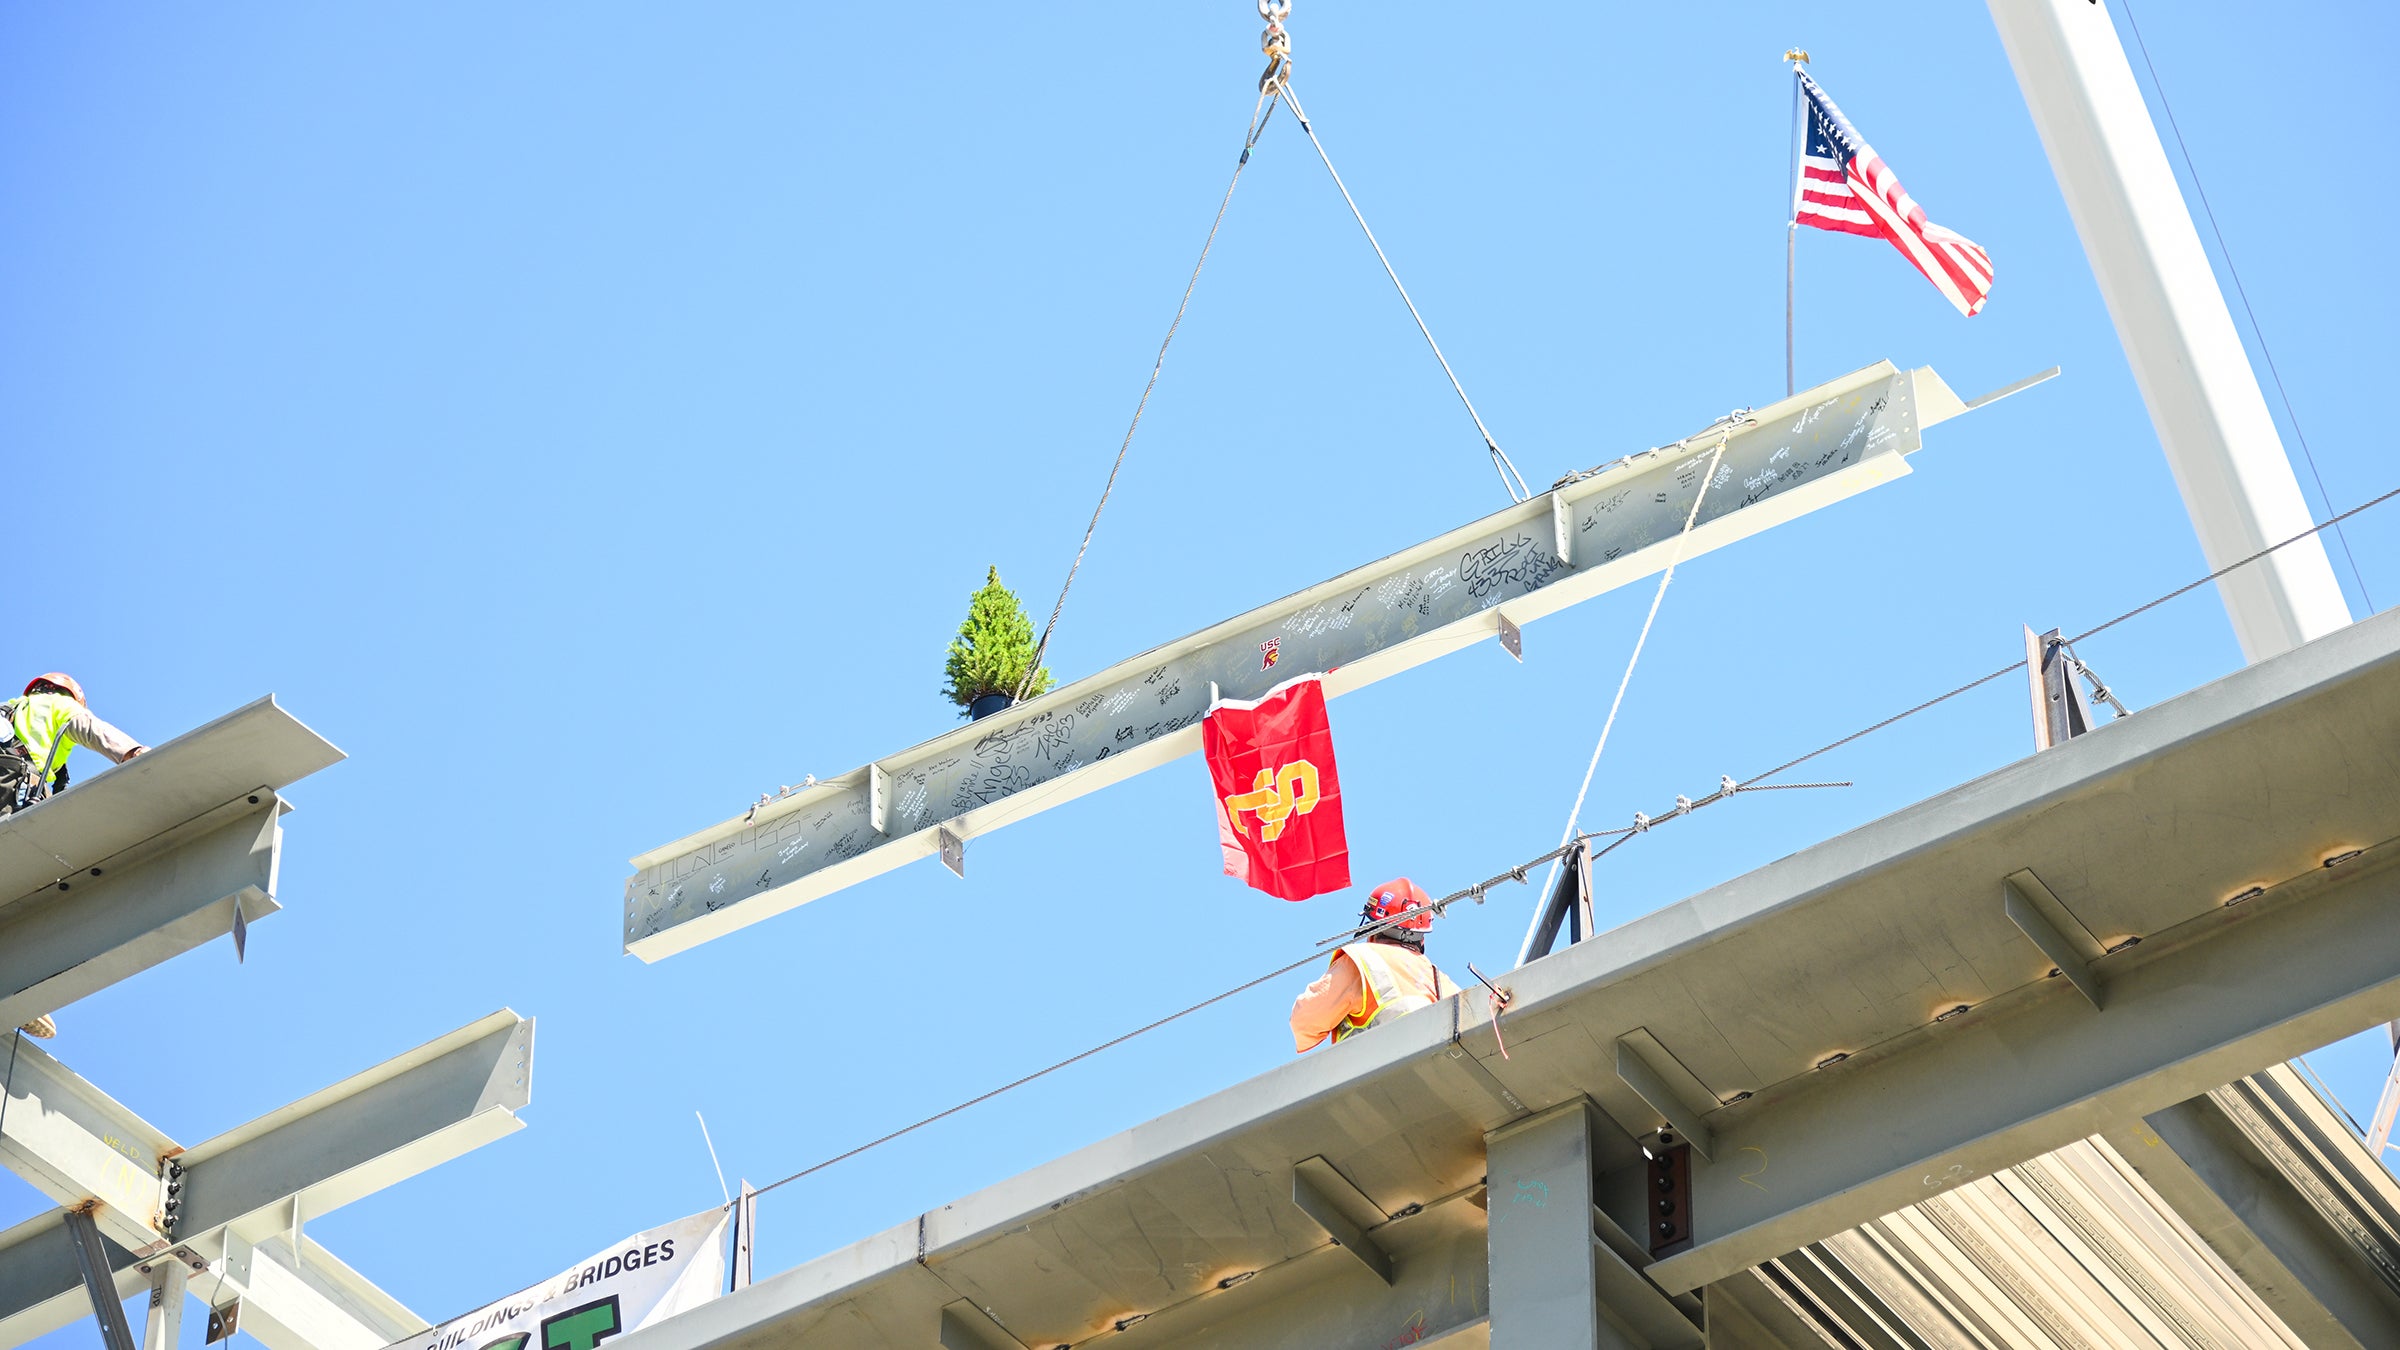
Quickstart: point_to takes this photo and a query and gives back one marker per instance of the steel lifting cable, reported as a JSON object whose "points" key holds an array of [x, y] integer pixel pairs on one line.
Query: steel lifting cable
{"points": [[1259, 116], [1274, 86], [1510, 479]]}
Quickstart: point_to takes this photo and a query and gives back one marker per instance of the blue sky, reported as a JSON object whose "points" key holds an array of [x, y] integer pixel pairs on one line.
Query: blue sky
{"points": [[590, 417]]}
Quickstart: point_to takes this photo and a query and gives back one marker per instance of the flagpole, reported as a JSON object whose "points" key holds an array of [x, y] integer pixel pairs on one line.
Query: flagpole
{"points": [[1791, 225]]}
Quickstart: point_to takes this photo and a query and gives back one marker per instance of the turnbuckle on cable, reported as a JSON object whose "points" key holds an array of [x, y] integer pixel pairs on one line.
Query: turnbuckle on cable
{"points": [[1277, 44]]}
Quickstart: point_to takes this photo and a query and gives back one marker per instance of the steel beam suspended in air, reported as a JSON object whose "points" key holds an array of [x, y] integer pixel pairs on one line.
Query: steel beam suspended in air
{"points": [[247, 1190], [1585, 537], [147, 860]]}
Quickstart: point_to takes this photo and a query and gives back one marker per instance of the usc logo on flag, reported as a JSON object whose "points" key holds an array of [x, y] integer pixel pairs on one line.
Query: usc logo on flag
{"points": [[1275, 796], [1278, 794]]}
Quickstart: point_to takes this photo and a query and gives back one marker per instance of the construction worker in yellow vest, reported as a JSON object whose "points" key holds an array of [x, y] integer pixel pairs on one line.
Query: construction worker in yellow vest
{"points": [[1377, 979], [38, 730]]}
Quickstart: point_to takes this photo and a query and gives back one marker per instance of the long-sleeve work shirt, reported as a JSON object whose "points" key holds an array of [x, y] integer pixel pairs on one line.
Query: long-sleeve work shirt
{"points": [[1341, 993], [35, 716]]}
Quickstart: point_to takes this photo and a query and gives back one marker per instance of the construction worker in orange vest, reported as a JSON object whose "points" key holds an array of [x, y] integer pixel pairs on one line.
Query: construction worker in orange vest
{"points": [[1376, 979], [37, 732]]}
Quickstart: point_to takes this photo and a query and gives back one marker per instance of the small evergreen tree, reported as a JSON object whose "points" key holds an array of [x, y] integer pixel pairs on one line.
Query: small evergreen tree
{"points": [[993, 647]]}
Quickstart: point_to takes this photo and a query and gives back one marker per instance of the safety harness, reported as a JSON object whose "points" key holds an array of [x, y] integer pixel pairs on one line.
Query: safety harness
{"points": [[49, 776]]}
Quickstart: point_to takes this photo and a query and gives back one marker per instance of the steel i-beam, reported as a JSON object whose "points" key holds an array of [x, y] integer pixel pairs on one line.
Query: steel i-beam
{"points": [[303, 1298], [2275, 1198], [241, 1189], [1588, 535], [91, 1260], [79, 1147], [2040, 1069], [170, 1279], [124, 917], [147, 860]]}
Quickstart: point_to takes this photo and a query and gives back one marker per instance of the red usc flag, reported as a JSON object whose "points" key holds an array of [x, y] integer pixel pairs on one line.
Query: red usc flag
{"points": [[1279, 801]]}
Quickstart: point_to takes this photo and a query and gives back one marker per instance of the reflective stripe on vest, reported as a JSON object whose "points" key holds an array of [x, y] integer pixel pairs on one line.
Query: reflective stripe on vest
{"points": [[40, 722], [1393, 980]]}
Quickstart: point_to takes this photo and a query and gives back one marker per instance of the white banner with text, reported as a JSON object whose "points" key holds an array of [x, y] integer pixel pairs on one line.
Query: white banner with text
{"points": [[647, 1278]]}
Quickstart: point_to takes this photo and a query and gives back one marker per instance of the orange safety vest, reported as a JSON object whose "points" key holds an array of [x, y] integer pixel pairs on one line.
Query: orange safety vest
{"points": [[1392, 980]]}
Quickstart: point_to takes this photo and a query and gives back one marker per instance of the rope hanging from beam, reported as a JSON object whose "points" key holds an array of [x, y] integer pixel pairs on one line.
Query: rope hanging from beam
{"points": [[1666, 579]]}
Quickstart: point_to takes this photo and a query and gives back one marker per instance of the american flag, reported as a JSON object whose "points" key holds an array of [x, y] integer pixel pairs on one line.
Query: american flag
{"points": [[1845, 186]]}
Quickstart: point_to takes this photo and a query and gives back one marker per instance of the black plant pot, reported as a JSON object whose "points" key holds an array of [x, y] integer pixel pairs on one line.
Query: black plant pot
{"points": [[984, 705]]}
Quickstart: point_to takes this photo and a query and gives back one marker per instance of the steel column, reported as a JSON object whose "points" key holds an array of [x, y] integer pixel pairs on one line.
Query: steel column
{"points": [[1556, 1285], [2203, 397], [163, 1329], [41, 1284], [91, 1258], [1569, 905], [2060, 712], [745, 1235], [1545, 1286]]}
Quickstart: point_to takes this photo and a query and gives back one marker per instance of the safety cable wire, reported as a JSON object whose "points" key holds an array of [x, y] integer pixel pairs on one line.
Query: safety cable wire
{"points": [[1259, 116], [1518, 873], [2019, 664], [2329, 523], [1311, 959], [1642, 824], [1517, 491], [2226, 252], [1666, 579]]}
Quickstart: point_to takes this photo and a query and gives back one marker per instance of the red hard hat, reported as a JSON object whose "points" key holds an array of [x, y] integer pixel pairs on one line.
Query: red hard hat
{"points": [[65, 684], [1399, 897]]}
